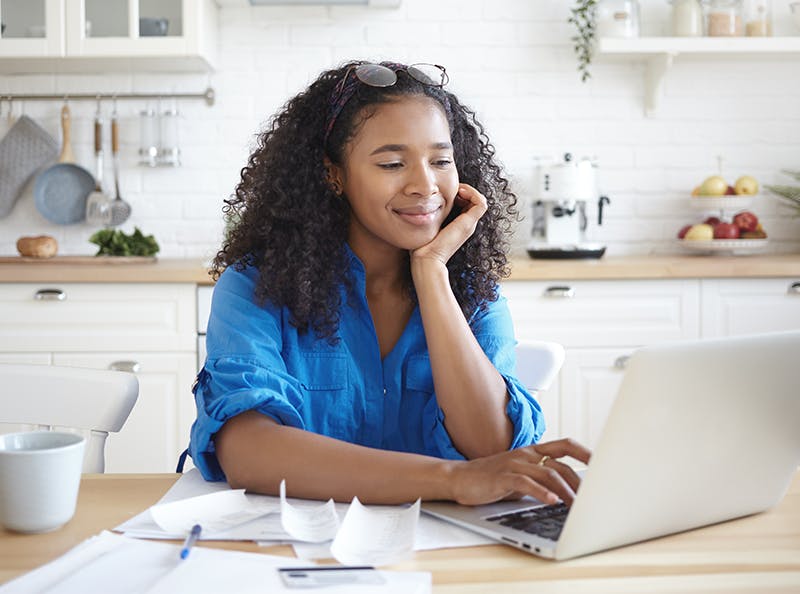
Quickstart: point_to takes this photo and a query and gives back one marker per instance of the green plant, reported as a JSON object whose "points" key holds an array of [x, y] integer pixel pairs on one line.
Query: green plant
{"points": [[583, 17], [788, 194], [114, 242]]}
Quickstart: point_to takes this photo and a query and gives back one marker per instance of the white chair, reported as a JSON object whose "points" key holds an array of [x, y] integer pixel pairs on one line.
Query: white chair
{"points": [[538, 363], [93, 401]]}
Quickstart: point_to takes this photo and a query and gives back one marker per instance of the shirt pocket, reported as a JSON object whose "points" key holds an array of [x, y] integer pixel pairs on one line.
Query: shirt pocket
{"points": [[325, 372], [328, 406], [419, 377]]}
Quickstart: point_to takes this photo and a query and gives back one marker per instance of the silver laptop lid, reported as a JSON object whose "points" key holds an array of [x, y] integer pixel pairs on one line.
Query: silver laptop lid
{"points": [[699, 433]]}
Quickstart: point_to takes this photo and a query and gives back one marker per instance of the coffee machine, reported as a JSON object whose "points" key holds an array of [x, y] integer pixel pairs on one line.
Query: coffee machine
{"points": [[561, 192]]}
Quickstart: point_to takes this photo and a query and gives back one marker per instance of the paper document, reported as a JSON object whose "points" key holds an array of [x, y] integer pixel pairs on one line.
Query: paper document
{"points": [[268, 528], [112, 563], [376, 535], [215, 512], [317, 522]]}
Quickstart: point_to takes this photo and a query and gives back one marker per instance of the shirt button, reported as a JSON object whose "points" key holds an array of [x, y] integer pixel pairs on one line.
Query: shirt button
{"points": [[384, 391]]}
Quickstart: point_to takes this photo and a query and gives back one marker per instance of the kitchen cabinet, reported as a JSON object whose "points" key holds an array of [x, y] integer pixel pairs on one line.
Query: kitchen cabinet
{"points": [[107, 35], [660, 53], [601, 323], [746, 306], [147, 328]]}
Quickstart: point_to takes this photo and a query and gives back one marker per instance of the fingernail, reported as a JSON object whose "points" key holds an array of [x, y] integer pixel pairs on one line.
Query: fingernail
{"points": [[552, 498]]}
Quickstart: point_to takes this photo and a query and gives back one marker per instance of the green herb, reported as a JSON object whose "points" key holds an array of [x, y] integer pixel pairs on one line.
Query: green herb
{"points": [[789, 194], [583, 17], [114, 242]]}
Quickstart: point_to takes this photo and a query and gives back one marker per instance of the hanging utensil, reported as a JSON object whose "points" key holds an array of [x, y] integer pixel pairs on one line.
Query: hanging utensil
{"points": [[120, 210], [60, 192], [98, 204]]}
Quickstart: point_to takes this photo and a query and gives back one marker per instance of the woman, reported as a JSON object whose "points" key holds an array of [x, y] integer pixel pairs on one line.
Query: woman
{"points": [[357, 344]]}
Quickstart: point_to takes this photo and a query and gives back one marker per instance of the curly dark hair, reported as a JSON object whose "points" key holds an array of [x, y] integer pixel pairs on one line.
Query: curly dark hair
{"points": [[286, 220]]}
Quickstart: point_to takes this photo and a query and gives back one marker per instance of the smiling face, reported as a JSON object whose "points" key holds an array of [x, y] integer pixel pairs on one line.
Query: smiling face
{"points": [[399, 175]]}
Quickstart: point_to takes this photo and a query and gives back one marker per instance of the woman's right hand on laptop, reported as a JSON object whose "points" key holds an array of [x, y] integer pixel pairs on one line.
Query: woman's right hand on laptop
{"points": [[534, 470]]}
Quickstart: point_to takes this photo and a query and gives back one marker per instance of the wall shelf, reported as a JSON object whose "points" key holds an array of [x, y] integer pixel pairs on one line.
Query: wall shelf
{"points": [[659, 54]]}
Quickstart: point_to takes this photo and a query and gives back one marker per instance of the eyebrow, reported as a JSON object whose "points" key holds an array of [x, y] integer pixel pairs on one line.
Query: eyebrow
{"points": [[399, 148]]}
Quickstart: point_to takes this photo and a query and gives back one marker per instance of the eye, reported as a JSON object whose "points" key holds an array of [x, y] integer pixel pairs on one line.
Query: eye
{"points": [[392, 165], [444, 162]]}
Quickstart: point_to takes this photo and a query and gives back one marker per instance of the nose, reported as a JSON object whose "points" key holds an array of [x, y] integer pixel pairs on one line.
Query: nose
{"points": [[421, 181]]}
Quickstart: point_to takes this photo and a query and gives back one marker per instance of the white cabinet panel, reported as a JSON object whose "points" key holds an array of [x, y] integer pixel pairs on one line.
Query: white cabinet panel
{"points": [[604, 313], [598, 322], [590, 380], [100, 36], [157, 430], [749, 306], [94, 317]]}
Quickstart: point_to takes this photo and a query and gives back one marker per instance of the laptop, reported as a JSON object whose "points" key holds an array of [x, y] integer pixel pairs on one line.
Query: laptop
{"points": [[700, 432]]}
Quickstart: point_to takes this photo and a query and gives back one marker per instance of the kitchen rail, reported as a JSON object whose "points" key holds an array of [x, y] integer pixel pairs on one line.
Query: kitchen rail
{"points": [[208, 96]]}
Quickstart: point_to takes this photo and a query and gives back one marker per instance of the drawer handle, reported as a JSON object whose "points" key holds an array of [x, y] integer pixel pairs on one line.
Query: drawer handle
{"points": [[560, 292], [129, 366], [50, 295], [621, 362], [794, 288]]}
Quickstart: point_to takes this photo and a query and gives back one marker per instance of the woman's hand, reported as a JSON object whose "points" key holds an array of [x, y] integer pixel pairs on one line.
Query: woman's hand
{"points": [[533, 470], [453, 236]]}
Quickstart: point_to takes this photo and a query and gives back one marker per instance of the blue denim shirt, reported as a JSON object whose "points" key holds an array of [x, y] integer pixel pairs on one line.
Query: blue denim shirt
{"points": [[257, 360]]}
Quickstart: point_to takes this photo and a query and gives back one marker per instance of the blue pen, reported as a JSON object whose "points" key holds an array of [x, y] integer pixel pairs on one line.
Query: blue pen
{"points": [[190, 540]]}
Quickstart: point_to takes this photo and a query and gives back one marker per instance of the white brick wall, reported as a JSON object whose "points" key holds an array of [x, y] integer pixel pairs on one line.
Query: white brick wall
{"points": [[511, 60]]}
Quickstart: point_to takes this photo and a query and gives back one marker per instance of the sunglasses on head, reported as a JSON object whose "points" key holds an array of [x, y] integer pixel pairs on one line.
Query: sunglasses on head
{"points": [[379, 75]]}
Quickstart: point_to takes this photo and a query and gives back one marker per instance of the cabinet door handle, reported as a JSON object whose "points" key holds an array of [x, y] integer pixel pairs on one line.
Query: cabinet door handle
{"points": [[129, 366], [794, 288], [50, 295], [621, 362], [560, 292]]}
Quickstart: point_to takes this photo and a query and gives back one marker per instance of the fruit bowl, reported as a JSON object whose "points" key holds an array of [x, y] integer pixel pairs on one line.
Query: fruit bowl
{"points": [[729, 203], [724, 246]]}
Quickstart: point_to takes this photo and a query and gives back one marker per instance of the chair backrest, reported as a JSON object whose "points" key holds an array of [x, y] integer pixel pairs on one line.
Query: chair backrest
{"points": [[538, 363], [94, 401]]}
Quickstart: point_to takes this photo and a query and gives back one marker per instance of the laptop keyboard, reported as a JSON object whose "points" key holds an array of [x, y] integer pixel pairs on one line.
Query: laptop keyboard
{"points": [[546, 521]]}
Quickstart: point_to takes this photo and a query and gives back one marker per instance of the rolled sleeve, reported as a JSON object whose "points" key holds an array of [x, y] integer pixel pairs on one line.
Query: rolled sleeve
{"points": [[227, 387], [494, 331], [244, 369]]}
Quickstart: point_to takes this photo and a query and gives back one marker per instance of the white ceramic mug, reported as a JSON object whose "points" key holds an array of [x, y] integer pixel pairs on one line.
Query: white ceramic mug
{"points": [[40, 472]]}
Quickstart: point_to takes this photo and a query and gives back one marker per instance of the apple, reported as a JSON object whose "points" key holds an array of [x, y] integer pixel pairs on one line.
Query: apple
{"points": [[713, 186], [726, 231], [682, 232], [759, 233], [745, 220], [712, 221], [746, 185], [700, 232]]}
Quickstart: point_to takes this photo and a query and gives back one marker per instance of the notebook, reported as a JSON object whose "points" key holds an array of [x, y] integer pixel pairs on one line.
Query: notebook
{"points": [[700, 432]]}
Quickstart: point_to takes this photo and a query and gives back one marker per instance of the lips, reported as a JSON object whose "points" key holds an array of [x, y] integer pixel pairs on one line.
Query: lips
{"points": [[420, 214]]}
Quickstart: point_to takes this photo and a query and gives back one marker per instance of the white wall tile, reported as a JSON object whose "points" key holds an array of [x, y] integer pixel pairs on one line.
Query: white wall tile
{"points": [[510, 60]]}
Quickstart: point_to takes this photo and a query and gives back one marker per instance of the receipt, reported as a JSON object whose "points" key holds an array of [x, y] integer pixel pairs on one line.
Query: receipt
{"points": [[313, 522], [376, 535]]}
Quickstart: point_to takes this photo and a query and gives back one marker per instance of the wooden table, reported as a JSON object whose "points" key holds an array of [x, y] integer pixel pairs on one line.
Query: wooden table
{"points": [[757, 554]]}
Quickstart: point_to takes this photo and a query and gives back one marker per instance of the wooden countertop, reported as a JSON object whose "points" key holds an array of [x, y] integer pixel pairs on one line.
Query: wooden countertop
{"points": [[756, 554], [651, 267], [522, 268], [165, 270]]}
